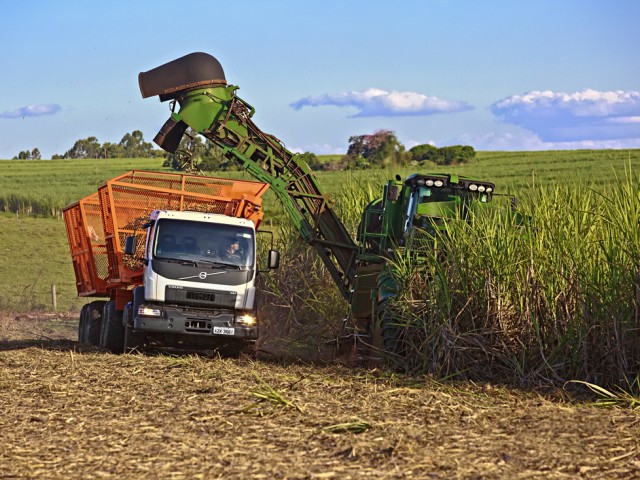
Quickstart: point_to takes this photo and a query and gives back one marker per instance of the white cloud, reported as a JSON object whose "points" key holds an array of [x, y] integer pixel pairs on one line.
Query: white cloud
{"points": [[530, 141], [375, 102], [319, 149], [589, 115], [635, 119], [32, 111]]}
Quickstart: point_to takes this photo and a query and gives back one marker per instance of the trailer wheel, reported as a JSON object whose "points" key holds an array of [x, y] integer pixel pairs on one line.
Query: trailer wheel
{"points": [[82, 324], [93, 323], [112, 337]]}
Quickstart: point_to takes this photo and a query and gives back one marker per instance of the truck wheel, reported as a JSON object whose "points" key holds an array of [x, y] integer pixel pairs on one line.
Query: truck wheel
{"points": [[132, 341], [93, 323], [231, 349], [112, 337], [82, 324]]}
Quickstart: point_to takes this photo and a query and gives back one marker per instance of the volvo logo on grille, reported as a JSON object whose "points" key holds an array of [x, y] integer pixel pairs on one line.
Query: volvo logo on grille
{"points": [[201, 275]]}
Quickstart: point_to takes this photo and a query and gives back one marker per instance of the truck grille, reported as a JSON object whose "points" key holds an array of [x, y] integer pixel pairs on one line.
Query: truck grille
{"points": [[201, 296], [194, 297]]}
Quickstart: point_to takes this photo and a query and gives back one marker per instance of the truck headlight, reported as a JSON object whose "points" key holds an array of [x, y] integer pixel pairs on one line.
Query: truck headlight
{"points": [[149, 311], [247, 320]]}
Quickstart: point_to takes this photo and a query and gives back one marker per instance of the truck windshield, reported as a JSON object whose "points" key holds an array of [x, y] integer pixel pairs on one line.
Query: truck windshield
{"points": [[203, 243]]}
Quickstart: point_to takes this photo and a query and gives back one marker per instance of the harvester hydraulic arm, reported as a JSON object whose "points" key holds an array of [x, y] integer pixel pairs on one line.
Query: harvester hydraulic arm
{"points": [[211, 108]]}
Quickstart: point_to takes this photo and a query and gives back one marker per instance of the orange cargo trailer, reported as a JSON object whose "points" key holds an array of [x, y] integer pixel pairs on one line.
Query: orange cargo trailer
{"points": [[85, 234], [98, 224]]}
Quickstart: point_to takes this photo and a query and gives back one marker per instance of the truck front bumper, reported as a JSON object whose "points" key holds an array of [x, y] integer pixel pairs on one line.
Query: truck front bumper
{"points": [[176, 321]]}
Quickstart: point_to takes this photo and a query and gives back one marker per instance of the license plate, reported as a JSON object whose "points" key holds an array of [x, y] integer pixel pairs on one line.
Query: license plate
{"points": [[223, 331]]}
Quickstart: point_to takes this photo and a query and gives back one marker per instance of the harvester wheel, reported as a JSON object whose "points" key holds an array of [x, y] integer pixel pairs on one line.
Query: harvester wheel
{"points": [[112, 337], [82, 324], [391, 341], [94, 323]]}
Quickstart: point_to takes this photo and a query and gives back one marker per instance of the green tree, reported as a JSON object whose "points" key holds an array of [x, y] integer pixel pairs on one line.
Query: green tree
{"points": [[85, 148], [380, 149], [312, 160], [452, 155], [422, 153], [134, 145], [35, 154], [193, 153], [112, 150]]}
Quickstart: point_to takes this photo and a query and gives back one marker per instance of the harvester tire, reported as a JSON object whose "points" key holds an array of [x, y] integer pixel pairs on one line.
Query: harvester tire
{"points": [[391, 339], [389, 329], [94, 323], [112, 338], [82, 324]]}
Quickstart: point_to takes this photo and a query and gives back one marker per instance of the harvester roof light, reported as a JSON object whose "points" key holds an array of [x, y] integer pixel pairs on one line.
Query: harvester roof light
{"points": [[473, 187], [438, 183], [429, 183], [489, 189], [482, 188], [421, 181]]}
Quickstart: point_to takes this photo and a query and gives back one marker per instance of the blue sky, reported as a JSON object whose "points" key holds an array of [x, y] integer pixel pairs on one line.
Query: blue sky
{"points": [[494, 74]]}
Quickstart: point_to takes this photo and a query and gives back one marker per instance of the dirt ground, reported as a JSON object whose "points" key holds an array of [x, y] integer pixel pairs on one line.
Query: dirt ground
{"points": [[68, 411]]}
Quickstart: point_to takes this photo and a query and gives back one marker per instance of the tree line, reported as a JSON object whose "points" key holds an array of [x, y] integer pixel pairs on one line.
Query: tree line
{"points": [[132, 145], [383, 149], [377, 150]]}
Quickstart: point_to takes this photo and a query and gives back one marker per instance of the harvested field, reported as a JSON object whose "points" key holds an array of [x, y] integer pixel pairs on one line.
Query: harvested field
{"points": [[72, 412]]}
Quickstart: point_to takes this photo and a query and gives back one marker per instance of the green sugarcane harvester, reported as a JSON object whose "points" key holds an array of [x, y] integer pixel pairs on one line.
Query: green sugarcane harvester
{"points": [[360, 268]]}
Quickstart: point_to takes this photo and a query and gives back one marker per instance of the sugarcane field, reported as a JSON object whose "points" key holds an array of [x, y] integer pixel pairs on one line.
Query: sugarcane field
{"points": [[70, 411]]}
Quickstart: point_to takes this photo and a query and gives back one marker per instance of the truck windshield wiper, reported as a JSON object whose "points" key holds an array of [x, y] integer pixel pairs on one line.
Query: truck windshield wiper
{"points": [[181, 261], [188, 262], [213, 263]]}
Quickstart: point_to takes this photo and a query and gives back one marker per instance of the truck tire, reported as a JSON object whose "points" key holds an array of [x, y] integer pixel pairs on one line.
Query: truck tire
{"points": [[82, 324], [133, 342], [230, 349], [112, 338], [93, 323]]}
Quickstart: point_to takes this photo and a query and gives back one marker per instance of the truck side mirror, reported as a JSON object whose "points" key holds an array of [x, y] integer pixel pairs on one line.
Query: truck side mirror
{"points": [[130, 245], [274, 259]]}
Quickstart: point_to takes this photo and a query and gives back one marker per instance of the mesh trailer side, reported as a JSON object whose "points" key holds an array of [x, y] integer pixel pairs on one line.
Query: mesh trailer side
{"points": [[86, 240]]}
